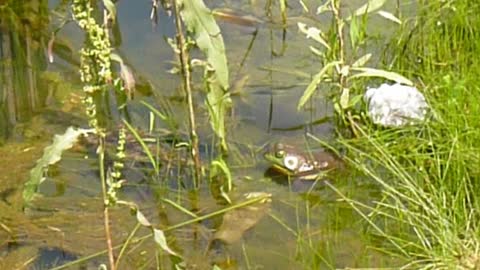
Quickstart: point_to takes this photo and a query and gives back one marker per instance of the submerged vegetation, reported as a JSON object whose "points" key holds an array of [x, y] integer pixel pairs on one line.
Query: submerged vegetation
{"points": [[421, 208]]}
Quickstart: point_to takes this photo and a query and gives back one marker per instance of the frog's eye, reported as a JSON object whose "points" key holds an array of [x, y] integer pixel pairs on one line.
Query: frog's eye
{"points": [[280, 154], [291, 163]]}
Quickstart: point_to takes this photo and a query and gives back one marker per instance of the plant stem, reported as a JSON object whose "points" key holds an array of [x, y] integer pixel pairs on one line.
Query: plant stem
{"points": [[185, 68], [340, 42], [106, 216]]}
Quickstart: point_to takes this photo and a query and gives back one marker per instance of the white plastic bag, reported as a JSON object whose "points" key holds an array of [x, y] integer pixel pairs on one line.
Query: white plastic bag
{"points": [[395, 105]]}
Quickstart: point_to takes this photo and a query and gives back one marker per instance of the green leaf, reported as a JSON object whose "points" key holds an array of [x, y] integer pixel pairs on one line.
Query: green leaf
{"points": [[220, 166], [51, 155], [362, 60], [217, 103], [142, 219], [372, 72], [389, 16], [200, 21], [145, 148], [313, 33], [354, 100], [369, 7], [354, 31], [344, 98], [160, 239], [317, 79], [112, 10]]}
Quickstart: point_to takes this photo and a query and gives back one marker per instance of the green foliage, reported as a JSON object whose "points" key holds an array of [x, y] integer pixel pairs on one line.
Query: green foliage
{"points": [[219, 170], [158, 235], [145, 148], [51, 155], [336, 68], [429, 174], [201, 23]]}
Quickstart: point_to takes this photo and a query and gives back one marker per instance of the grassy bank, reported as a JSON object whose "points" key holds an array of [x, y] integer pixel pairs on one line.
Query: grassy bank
{"points": [[430, 174]]}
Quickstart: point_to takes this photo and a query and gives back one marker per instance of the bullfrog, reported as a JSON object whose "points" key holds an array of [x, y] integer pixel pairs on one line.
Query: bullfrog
{"points": [[289, 161]]}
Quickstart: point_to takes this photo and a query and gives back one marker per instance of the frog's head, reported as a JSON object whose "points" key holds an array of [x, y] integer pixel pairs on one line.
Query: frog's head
{"points": [[287, 160]]}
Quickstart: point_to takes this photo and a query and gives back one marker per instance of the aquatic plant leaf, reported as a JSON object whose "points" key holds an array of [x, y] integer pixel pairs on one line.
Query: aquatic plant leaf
{"points": [[112, 10], [128, 79], [51, 155], [317, 79], [354, 31], [142, 219], [389, 16], [313, 33], [220, 164], [158, 235], [362, 60], [200, 22], [161, 240], [145, 148], [373, 72], [369, 7], [218, 101], [344, 98]]}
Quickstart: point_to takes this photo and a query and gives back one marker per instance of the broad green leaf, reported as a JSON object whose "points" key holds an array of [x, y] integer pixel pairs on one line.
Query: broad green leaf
{"points": [[51, 155], [200, 21], [142, 219], [160, 239], [362, 60], [369, 7], [220, 166], [344, 98], [158, 235], [217, 103], [389, 16], [313, 33], [317, 79], [372, 72]]}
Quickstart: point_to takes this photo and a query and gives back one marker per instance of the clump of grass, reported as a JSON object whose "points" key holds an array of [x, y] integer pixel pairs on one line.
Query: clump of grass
{"points": [[429, 212]]}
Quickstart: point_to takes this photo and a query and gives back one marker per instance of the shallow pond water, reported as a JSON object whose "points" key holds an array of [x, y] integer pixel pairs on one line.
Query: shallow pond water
{"points": [[305, 228]]}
